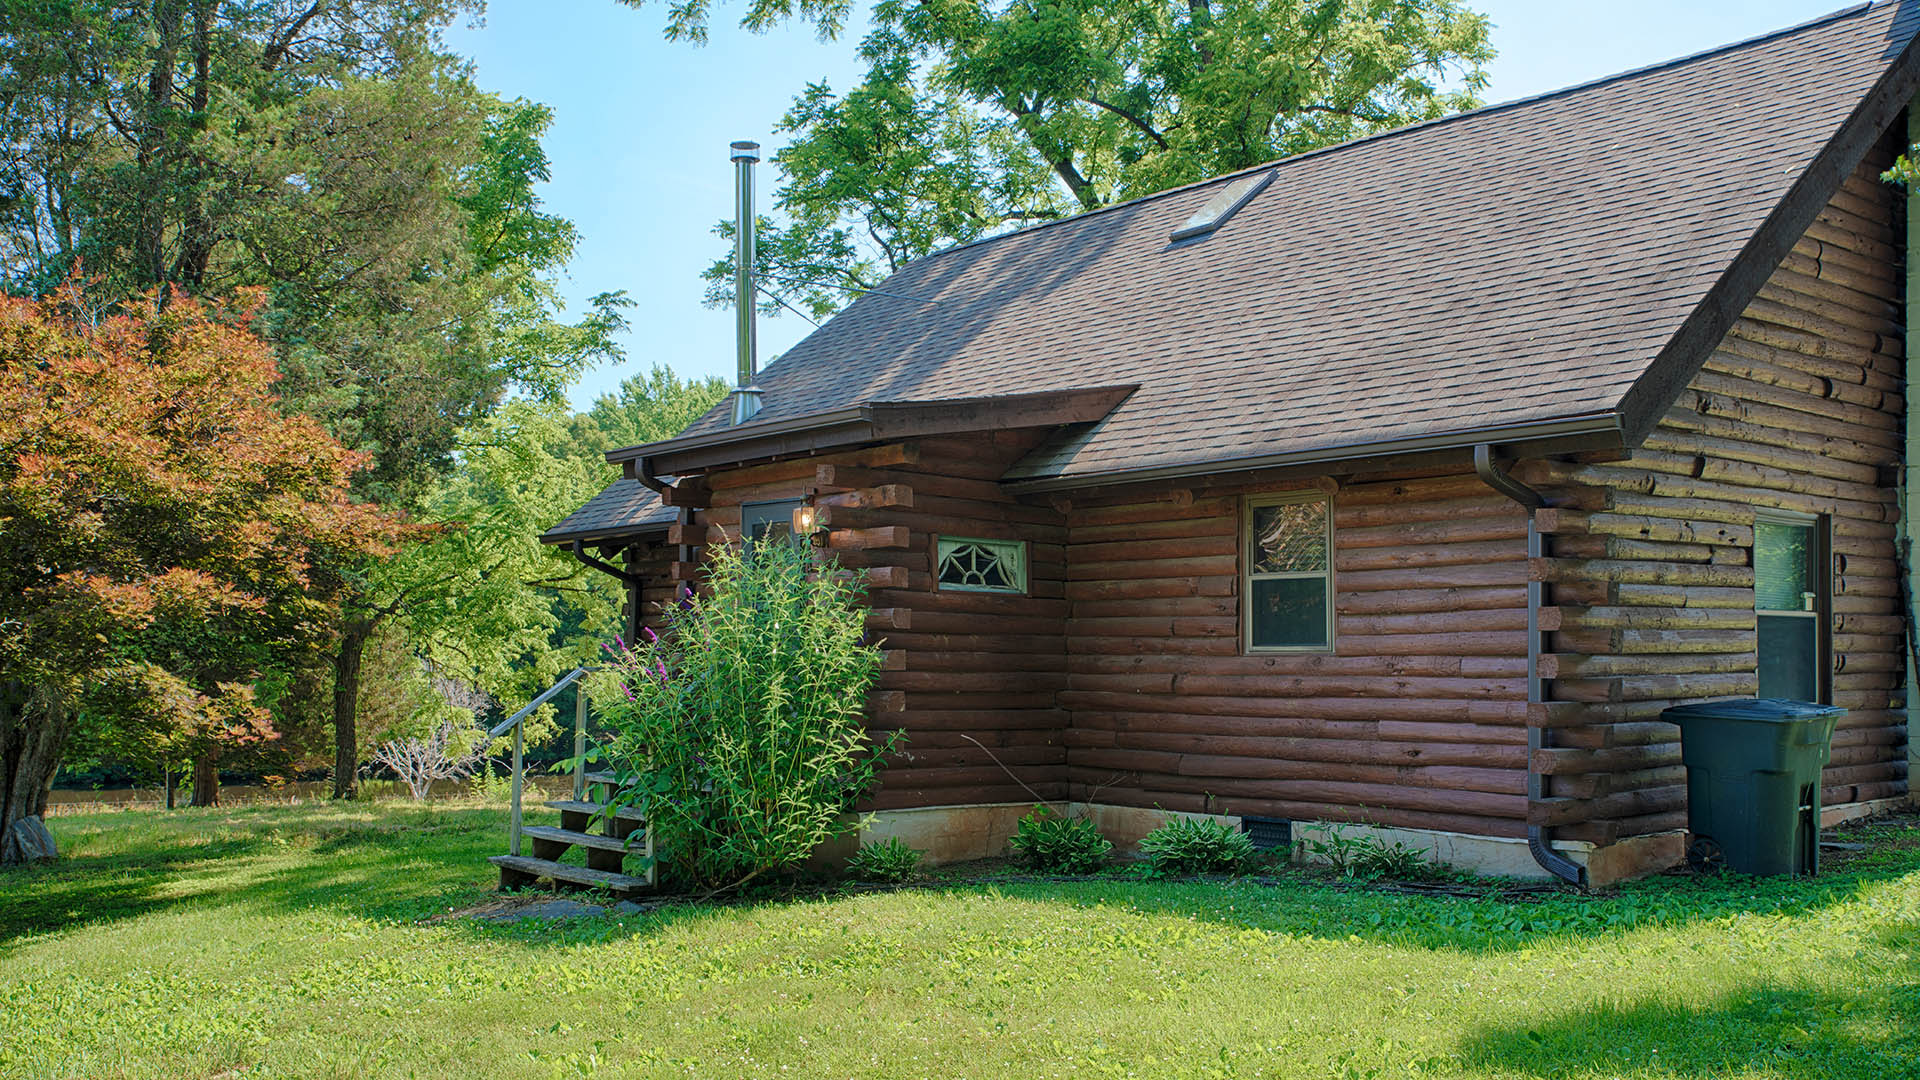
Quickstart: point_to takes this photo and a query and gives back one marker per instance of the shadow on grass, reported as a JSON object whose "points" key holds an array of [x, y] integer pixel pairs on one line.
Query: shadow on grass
{"points": [[380, 863], [399, 862], [1792, 1033], [86, 890]]}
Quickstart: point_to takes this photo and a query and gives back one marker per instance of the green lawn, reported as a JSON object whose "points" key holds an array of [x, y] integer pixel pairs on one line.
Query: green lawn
{"points": [[296, 941]]}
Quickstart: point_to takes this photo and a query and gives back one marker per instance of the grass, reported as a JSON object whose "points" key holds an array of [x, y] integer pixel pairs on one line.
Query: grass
{"points": [[302, 941]]}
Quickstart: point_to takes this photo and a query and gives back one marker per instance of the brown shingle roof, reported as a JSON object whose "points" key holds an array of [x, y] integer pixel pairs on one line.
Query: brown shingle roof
{"points": [[1519, 264], [624, 508]]}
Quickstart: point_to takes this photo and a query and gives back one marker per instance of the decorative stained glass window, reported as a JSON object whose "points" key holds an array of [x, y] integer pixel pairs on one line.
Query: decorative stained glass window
{"points": [[1790, 602], [1289, 573], [971, 565]]}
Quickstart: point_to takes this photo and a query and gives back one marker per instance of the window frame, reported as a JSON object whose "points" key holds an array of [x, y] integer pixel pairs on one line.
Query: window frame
{"points": [[747, 513], [1248, 545], [1026, 565], [1820, 576]]}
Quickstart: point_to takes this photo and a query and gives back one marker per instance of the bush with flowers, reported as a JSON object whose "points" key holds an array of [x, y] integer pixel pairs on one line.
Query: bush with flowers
{"points": [[740, 726]]}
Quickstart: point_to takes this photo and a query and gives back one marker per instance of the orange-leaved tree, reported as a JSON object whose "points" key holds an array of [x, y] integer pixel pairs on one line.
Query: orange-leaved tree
{"points": [[157, 511]]}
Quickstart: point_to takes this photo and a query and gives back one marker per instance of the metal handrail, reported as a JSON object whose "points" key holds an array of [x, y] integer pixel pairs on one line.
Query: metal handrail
{"points": [[516, 724]]}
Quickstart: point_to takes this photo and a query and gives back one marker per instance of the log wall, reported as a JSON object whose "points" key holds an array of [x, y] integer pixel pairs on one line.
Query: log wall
{"points": [[1418, 718], [1650, 561], [971, 677], [1123, 678]]}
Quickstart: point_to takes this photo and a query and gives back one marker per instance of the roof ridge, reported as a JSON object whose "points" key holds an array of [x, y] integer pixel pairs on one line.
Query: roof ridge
{"points": [[1500, 106]]}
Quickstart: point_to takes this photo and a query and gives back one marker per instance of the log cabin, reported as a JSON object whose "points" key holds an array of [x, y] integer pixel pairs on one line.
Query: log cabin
{"points": [[1399, 485]]}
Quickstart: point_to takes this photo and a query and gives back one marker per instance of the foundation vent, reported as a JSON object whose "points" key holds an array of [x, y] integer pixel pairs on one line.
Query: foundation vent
{"points": [[1268, 833]]}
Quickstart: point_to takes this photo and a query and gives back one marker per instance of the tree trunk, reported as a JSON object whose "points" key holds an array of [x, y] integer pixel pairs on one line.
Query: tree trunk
{"points": [[166, 771], [206, 781], [153, 154], [346, 704], [33, 734], [196, 230]]}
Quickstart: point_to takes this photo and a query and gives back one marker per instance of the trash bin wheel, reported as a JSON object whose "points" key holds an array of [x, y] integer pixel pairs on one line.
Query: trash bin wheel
{"points": [[1704, 856]]}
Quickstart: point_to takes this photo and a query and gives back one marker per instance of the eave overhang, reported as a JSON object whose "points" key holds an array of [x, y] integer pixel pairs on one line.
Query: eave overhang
{"points": [[1572, 434], [872, 422], [1680, 360]]}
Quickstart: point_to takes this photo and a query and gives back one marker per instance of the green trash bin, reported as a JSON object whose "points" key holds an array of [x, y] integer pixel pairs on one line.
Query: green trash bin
{"points": [[1753, 782]]}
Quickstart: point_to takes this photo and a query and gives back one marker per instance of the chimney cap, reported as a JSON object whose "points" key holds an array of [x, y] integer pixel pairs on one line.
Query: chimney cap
{"points": [[746, 151]]}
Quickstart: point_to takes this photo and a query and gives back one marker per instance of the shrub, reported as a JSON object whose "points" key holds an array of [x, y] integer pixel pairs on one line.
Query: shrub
{"points": [[1368, 856], [1377, 858], [740, 727], [1196, 846], [889, 860], [1060, 845]]}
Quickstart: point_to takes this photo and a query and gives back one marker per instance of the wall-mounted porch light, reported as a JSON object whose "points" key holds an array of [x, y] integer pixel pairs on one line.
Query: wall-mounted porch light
{"points": [[806, 523]]}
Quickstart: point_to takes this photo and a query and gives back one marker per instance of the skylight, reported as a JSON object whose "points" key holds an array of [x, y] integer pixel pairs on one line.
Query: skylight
{"points": [[1223, 205]]}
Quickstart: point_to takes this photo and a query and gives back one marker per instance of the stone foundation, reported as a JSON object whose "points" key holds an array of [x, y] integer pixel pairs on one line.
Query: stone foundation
{"points": [[949, 834]]}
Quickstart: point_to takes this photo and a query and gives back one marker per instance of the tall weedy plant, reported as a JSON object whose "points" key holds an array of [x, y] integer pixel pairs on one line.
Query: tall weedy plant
{"points": [[740, 727]]}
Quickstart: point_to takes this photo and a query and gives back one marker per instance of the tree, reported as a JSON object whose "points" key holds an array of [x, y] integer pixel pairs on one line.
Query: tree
{"points": [[487, 603], [443, 740], [333, 154], [642, 409], [153, 497], [978, 116]]}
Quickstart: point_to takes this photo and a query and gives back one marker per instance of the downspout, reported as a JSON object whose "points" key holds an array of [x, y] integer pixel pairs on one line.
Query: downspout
{"points": [[1910, 459], [629, 581], [1539, 837]]}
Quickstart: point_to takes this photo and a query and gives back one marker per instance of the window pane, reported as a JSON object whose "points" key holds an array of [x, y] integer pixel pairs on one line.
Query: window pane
{"points": [[767, 520], [1789, 657], [1288, 612], [1290, 538], [1780, 554], [982, 565]]}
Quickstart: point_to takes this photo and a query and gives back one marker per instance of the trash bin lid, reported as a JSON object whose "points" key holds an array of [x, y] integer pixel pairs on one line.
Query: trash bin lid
{"points": [[1760, 710]]}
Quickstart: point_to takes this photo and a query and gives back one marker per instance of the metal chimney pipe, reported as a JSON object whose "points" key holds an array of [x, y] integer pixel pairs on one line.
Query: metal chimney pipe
{"points": [[746, 397]]}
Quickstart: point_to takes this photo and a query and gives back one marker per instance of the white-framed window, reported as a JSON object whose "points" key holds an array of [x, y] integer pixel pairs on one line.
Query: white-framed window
{"points": [[1287, 561], [1792, 582], [971, 564]]}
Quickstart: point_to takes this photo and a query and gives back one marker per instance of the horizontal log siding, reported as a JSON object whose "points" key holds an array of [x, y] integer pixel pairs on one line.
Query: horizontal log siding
{"points": [[971, 677], [1417, 718], [1650, 568]]}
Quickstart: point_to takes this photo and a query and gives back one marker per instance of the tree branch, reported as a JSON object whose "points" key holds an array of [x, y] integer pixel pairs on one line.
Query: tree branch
{"points": [[1129, 117]]}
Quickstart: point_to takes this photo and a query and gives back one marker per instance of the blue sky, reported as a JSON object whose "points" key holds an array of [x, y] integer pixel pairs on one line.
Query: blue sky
{"points": [[639, 141]]}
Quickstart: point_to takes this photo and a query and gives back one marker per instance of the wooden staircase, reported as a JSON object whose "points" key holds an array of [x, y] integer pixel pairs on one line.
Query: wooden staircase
{"points": [[622, 833]]}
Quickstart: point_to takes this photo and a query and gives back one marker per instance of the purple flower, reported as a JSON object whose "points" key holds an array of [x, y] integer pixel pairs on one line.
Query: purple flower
{"points": [[651, 636], [661, 666]]}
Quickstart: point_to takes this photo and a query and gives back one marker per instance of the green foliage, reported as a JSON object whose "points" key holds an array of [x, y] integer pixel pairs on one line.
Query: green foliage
{"points": [[308, 923], [741, 727], [891, 860], [1367, 856], [1053, 844], [975, 116], [1185, 845], [644, 408]]}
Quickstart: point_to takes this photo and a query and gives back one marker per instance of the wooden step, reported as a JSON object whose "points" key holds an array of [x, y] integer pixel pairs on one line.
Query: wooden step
{"points": [[581, 839], [522, 870], [602, 777], [568, 806]]}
